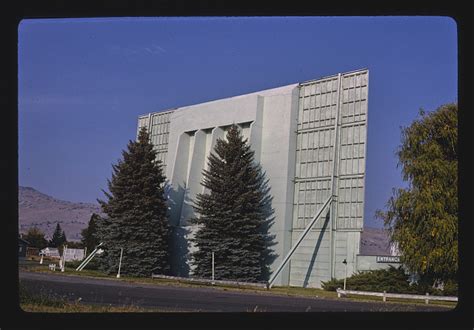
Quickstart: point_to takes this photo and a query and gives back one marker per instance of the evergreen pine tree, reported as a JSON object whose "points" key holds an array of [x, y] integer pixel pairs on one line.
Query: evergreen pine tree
{"points": [[234, 214], [57, 239], [89, 235], [63, 239], [136, 213]]}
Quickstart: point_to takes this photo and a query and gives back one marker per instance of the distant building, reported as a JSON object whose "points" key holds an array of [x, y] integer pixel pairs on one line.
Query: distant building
{"points": [[22, 247], [50, 252], [73, 254], [32, 251]]}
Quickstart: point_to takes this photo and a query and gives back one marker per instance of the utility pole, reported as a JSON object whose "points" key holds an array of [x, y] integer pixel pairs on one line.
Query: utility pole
{"points": [[64, 258], [120, 262], [213, 267], [345, 277]]}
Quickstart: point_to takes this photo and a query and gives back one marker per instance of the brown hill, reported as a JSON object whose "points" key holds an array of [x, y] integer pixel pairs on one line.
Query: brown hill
{"points": [[374, 241], [43, 211]]}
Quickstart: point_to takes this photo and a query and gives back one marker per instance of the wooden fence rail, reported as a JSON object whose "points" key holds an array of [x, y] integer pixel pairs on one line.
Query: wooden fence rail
{"points": [[386, 295], [209, 281]]}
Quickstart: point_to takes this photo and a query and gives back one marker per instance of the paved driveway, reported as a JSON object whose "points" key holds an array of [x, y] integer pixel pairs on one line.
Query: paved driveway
{"points": [[105, 291]]}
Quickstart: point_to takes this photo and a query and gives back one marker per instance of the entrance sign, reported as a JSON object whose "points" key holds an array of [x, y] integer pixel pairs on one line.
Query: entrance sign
{"points": [[387, 259]]}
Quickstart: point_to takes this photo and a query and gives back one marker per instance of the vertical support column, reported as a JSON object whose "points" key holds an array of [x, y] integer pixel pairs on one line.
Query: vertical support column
{"points": [[273, 139], [217, 133], [256, 127], [150, 124], [193, 186], [334, 183], [179, 178]]}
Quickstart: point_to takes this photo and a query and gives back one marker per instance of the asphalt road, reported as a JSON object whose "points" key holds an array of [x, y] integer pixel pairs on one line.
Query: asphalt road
{"points": [[111, 292]]}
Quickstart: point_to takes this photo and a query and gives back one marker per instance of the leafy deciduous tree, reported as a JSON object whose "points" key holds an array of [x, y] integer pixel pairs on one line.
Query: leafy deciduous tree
{"points": [[36, 238], [423, 218]]}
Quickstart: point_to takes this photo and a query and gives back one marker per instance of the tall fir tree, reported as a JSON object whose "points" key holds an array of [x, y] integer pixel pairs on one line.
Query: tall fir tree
{"points": [[63, 237], [57, 239], [136, 213], [89, 234], [234, 215]]}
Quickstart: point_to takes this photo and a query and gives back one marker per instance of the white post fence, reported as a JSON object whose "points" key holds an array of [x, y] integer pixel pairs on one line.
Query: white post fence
{"points": [[385, 295]]}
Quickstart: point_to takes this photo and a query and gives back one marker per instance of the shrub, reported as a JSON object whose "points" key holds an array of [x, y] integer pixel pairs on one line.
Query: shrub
{"points": [[450, 288], [392, 280], [332, 284], [92, 265]]}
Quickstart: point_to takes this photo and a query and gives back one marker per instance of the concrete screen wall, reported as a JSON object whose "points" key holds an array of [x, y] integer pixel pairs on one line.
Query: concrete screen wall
{"points": [[292, 130]]}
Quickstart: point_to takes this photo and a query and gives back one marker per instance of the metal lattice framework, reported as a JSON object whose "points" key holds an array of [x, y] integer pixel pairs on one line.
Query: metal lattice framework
{"points": [[330, 164]]}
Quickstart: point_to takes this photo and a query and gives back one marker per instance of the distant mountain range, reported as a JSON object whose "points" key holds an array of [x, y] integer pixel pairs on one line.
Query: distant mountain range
{"points": [[374, 241], [43, 211]]}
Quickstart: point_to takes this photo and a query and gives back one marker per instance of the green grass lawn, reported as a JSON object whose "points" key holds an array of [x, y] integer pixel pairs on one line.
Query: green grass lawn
{"points": [[87, 308], [49, 303], [286, 290]]}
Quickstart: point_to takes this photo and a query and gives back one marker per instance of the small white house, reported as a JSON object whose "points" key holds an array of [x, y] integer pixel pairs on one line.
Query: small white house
{"points": [[73, 254], [50, 252]]}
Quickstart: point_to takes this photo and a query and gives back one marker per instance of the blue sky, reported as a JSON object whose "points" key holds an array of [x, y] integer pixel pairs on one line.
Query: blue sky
{"points": [[83, 83]]}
